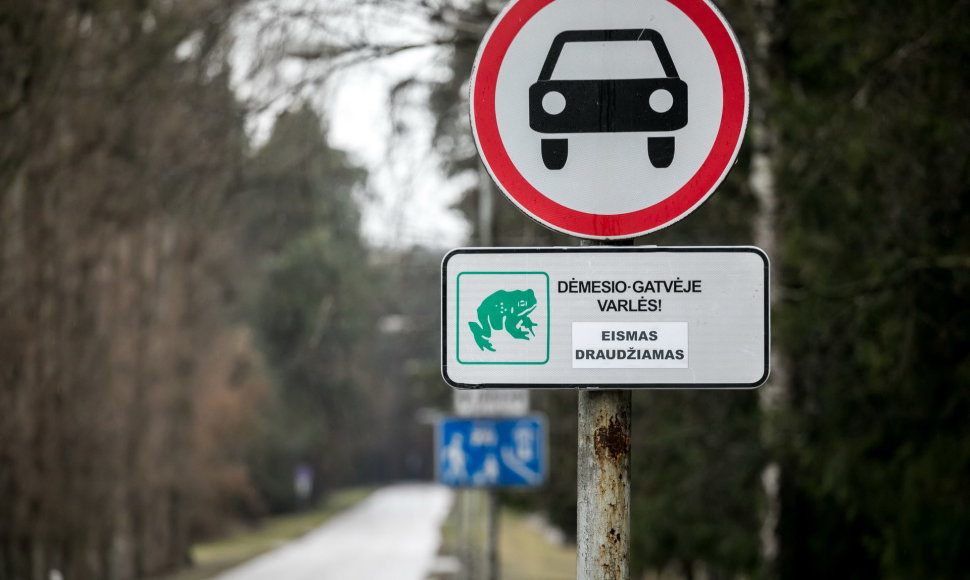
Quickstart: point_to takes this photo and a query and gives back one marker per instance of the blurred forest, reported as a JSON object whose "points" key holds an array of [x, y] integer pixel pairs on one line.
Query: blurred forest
{"points": [[186, 317]]}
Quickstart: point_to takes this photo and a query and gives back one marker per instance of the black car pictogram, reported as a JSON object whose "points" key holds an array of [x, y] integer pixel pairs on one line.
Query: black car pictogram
{"points": [[655, 104]]}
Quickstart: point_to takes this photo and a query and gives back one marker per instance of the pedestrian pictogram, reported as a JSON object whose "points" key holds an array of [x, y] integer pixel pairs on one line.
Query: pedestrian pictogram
{"points": [[483, 452], [609, 120]]}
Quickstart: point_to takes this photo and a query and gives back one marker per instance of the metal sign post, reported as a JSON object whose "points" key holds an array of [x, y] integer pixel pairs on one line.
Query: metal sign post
{"points": [[605, 318], [607, 122], [603, 485], [487, 453], [603, 481], [491, 549], [491, 404]]}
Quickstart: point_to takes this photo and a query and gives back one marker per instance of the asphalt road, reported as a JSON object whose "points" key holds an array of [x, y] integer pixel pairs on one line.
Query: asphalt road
{"points": [[392, 535]]}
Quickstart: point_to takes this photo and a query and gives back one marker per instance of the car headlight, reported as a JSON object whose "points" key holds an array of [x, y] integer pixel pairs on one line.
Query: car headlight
{"points": [[661, 100], [553, 102]]}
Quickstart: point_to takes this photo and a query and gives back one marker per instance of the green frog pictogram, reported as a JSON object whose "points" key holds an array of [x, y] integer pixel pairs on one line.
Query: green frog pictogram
{"points": [[504, 309]]}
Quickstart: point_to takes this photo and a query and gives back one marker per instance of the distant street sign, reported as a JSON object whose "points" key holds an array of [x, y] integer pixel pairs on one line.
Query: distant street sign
{"points": [[491, 452], [609, 120], [630, 317], [491, 403]]}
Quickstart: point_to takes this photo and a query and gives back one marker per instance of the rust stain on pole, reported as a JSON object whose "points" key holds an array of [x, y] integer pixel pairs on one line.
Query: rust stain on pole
{"points": [[612, 441], [603, 509]]}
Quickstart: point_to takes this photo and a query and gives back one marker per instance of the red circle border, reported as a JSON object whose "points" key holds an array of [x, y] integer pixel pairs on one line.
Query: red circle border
{"points": [[712, 171]]}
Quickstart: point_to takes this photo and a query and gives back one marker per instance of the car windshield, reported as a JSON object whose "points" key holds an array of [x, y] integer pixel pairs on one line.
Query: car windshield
{"points": [[623, 59]]}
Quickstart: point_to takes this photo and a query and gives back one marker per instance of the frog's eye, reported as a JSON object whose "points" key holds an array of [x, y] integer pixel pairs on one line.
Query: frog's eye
{"points": [[521, 302]]}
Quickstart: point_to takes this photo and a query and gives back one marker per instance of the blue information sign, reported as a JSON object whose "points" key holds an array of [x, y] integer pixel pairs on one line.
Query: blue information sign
{"points": [[491, 452]]}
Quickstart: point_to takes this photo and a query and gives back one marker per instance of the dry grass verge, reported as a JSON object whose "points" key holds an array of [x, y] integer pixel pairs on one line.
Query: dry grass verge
{"points": [[244, 544]]}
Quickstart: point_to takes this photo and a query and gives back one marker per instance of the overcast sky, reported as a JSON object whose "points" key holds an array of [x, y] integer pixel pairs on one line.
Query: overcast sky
{"points": [[408, 200]]}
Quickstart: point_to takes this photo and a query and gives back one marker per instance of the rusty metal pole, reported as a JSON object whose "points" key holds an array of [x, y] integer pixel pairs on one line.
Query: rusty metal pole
{"points": [[603, 507], [603, 481], [492, 553]]}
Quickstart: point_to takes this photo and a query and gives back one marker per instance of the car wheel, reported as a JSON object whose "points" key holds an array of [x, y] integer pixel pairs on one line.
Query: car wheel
{"points": [[661, 151], [554, 152]]}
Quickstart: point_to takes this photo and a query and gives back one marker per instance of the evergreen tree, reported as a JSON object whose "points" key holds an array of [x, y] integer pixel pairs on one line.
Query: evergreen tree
{"points": [[312, 304], [876, 177]]}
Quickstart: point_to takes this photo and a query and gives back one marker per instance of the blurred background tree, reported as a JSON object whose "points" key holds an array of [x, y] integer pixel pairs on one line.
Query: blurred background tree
{"points": [[120, 143], [310, 302], [875, 175], [186, 317]]}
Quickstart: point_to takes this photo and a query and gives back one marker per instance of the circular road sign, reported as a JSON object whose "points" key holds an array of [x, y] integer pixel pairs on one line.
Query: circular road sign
{"points": [[609, 120]]}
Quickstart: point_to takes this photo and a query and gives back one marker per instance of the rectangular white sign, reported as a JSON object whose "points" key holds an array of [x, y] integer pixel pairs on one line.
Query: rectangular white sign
{"points": [[619, 317], [492, 403]]}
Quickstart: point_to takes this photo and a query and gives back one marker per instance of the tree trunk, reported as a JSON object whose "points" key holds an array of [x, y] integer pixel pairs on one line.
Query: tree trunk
{"points": [[764, 141]]}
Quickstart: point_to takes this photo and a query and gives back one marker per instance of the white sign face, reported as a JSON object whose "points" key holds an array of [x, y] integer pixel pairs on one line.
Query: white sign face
{"points": [[634, 317], [609, 120], [491, 403]]}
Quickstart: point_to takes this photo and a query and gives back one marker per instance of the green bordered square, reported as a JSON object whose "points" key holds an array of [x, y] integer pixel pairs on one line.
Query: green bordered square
{"points": [[502, 318]]}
